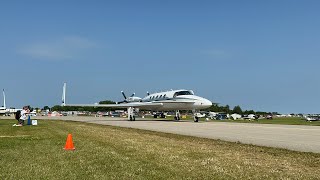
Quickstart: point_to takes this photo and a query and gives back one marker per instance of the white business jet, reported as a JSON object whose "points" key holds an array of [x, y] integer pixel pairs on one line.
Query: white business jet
{"points": [[164, 101]]}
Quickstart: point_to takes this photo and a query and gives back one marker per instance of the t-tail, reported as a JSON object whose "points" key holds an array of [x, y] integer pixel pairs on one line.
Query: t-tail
{"points": [[4, 99], [64, 94]]}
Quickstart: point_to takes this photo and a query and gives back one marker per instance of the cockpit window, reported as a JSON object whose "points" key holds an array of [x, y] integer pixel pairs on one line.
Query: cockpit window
{"points": [[180, 93]]}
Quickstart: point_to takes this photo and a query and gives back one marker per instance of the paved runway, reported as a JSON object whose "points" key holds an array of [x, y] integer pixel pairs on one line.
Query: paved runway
{"points": [[293, 137]]}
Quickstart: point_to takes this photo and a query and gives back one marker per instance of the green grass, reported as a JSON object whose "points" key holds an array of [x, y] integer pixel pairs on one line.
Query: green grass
{"points": [[105, 152], [280, 120]]}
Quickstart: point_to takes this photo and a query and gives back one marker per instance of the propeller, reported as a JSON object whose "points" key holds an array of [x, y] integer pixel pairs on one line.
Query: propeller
{"points": [[131, 98], [124, 95]]}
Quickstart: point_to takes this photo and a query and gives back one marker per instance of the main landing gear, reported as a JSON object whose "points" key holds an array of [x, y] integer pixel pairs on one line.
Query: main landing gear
{"points": [[195, 117], [131, 116], [161, 115], [177, 116]]}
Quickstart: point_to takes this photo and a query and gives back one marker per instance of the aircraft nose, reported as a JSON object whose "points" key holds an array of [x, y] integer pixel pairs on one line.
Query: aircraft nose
{"points": [[206, 103]]}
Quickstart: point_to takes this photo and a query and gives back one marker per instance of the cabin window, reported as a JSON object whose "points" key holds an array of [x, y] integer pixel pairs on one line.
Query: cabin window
{"points": [[180, 93], [160, 96]]}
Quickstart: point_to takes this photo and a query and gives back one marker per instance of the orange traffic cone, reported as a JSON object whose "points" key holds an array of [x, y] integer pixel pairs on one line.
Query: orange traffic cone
{"points": [[69, 143]]}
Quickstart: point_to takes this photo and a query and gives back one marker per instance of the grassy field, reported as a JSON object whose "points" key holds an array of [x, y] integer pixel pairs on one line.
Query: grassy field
{"points": [[280, 120], [105, 152]]}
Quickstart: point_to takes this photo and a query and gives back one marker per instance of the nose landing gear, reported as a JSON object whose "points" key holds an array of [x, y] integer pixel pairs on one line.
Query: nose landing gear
{"points": [[195, 116], [177, 117]]}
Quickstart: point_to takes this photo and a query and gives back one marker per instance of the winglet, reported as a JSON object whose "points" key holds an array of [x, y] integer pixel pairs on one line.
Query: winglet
{"points": [[64, 94]]}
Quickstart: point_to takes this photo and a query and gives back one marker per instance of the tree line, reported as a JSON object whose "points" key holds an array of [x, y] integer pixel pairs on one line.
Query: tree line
{"points": [[76, 108], [237, 109]]}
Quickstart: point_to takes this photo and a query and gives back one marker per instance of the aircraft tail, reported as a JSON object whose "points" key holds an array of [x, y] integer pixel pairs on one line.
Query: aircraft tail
{"points": [[64, 94]]}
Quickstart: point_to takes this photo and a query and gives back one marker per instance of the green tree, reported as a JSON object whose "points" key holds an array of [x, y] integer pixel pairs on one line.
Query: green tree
{"points": [[249, 112], [46, 108], [106, 102], [237, 109], [90, 109], [226, 109]]}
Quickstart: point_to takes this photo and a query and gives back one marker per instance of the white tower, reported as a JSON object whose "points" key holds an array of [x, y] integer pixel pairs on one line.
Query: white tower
{"points": [[64, 94], [4, 99]]}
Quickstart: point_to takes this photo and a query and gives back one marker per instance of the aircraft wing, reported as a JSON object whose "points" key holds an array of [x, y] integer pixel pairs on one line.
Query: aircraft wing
{"points": [[124, 105], [180, 101]]}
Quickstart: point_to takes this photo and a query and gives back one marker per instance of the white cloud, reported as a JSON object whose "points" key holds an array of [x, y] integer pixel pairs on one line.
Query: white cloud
{"points": [[65, 48]]}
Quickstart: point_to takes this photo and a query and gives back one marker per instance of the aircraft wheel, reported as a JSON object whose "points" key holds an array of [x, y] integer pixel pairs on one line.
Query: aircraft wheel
{"points": [[134, 118], [130, 118], [163, 116]]}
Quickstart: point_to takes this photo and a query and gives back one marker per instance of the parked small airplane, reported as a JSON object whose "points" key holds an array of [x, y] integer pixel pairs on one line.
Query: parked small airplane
{"points": [[311, 117], [164, 101], [249, 116]]}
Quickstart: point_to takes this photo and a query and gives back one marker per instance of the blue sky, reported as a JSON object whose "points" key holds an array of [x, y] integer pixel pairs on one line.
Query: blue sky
{"points": [[261, 55]]}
